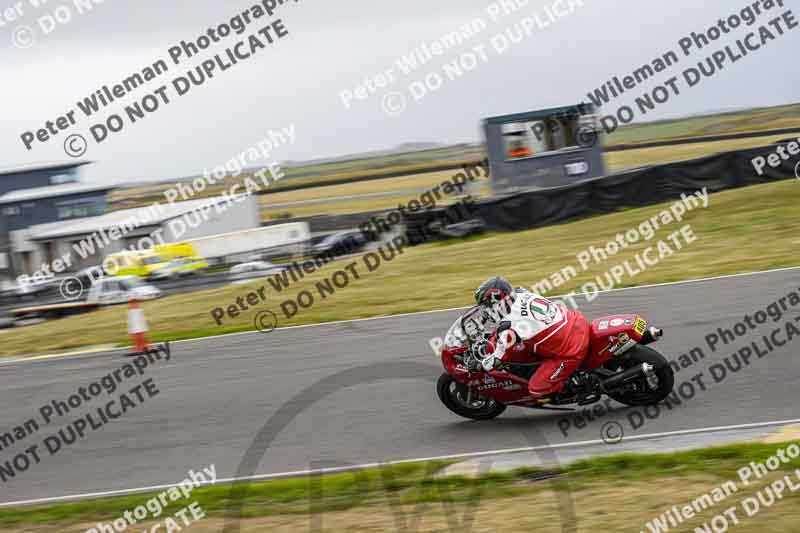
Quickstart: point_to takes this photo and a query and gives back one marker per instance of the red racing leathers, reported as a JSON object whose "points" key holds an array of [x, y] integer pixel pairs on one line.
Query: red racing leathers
{"points": [[536, 328]]}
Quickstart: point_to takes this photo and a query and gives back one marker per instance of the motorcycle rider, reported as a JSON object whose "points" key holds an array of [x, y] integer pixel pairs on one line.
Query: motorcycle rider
{"points": [[533, 328]]}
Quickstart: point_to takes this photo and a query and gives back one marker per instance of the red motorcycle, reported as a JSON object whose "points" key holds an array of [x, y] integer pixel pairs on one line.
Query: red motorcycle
{"points": [[620, 364]]}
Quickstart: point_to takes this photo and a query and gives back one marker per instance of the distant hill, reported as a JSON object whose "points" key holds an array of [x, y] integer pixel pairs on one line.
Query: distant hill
{"points": [[400, 149]]}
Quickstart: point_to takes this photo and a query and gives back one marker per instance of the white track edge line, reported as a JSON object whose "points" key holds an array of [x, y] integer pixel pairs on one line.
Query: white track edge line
{"points": [[266, 477]]}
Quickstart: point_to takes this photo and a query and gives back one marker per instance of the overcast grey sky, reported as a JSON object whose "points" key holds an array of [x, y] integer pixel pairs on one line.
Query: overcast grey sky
{"points": [[336, 45]]}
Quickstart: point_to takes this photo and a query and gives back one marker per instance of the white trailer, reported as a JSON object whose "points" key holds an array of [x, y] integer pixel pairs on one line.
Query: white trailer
{"points": [[292, 238], [102, 291]]}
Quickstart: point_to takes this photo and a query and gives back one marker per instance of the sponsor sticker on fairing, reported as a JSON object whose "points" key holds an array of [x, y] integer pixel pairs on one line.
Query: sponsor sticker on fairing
{"points": [[640, 326]]}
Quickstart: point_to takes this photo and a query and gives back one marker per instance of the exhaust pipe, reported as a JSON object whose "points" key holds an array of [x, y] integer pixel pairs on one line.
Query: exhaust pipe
{"points": [[651, 335], [632, 374]]}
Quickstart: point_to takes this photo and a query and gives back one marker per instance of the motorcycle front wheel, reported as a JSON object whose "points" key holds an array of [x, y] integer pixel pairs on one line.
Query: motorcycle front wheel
{"points": [[454, 396]]}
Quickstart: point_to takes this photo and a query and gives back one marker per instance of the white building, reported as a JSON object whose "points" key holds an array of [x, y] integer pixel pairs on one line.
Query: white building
{"points": [[86, 242]]}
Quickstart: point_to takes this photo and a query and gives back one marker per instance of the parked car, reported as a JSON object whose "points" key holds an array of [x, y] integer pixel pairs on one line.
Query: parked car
{"points": [[104, 291], [463, 229], [6, 320], [254, 269], [121, 289], [34, 287], [340, 243], [179, 267]]}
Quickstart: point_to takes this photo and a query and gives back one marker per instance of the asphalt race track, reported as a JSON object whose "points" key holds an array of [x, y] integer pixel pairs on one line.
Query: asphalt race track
{"points": [[362, 392]]}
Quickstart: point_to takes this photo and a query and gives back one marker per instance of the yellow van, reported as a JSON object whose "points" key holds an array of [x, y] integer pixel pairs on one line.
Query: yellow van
{"points": [[175, 250], [130, 263]]}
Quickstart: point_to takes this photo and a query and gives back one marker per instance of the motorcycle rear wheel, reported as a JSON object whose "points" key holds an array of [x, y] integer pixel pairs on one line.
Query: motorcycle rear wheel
{"points": [[453, 395], [644, 394]]}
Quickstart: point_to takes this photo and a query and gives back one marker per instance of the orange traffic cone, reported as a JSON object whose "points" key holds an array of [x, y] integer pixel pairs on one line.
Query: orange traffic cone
{"points": [[137, 327]]}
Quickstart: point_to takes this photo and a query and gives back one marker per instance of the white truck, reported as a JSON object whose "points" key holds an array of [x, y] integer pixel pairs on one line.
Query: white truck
{"points": [[293, 237], [99, 292]]}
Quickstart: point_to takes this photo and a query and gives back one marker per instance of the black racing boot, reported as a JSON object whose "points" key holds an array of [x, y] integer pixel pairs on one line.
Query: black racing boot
{"points": [[582, 386]]}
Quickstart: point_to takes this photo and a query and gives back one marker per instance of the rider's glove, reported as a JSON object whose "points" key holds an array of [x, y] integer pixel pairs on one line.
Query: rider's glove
{"points": [[490, 363]]}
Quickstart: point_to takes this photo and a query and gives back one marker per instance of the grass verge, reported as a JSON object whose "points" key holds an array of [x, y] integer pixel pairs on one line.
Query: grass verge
{"points": [[660, 480]]}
